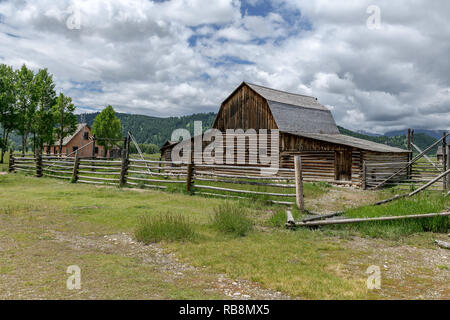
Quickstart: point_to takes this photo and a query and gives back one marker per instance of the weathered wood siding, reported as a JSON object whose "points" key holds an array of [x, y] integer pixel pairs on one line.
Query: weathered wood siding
{"points": [[245, 110], [377, 171]]}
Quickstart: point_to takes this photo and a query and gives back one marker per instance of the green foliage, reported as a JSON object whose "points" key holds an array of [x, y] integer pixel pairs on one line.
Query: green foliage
{"points": [[145, 148], [232, 219], [44, 121], [26, 99], [422, 140], [107, 125], [8, 112], [164, 227], [65, 120], [153, 130]]}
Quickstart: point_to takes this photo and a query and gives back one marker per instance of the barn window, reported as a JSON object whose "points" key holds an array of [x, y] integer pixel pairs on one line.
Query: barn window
{"points": [[74, 149], [86, 135], [96, 150]]}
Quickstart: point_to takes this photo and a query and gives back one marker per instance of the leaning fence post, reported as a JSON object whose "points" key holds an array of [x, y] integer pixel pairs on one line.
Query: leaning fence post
{"points": [[299, 183], [124, 168], [364, 176], [76, 167], [38, 164], [11, 160]]}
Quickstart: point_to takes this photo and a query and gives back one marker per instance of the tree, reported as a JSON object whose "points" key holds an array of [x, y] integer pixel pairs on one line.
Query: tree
{"points": [[44, 120], [8, 112], [26, 103], [107, 125], [65, 119]]}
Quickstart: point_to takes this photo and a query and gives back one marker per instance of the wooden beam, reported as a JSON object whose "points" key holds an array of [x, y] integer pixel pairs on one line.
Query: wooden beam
{"points": [[444, 160], [299, 183], [323, 216], [359, 220]]}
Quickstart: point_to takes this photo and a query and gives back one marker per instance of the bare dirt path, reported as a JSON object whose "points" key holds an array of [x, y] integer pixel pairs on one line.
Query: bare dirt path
{"points": [[401, 265], [34, 258]]}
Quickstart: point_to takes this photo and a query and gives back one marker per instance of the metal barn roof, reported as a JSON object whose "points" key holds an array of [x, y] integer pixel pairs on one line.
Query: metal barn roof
{"points": [[293, 112]]}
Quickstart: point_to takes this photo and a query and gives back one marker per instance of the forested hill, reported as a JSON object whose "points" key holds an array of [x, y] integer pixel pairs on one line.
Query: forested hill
{"points": [[156, 130], [421, 140]]}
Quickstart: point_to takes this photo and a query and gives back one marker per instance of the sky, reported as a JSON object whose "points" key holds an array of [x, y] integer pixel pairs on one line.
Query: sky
{"points": [[378, 65]]}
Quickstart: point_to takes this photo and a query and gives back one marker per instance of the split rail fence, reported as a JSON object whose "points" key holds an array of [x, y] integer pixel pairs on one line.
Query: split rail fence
{"points": [[238, 182]]}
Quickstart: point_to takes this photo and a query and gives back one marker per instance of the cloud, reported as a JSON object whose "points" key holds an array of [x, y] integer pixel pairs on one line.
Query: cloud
{"points": [[175, 57]]}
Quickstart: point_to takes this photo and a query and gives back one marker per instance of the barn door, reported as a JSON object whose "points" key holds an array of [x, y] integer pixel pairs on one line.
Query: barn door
{"points": [[343, 165]]}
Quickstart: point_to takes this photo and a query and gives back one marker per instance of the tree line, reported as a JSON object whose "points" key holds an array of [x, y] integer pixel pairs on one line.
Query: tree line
{"points": [[30, 107]]}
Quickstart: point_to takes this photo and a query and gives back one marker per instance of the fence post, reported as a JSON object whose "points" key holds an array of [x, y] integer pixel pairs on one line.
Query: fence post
{"points": [[444, 160], [124, 168], [11, 160], [76, 167], [364, 176], [38, 164], [299, 183], [190, 172], [410, 156], [448, 165]]}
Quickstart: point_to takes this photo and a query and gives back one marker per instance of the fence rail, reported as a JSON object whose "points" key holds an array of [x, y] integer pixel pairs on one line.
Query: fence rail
{"points": [[223, 181], [407, 177]]}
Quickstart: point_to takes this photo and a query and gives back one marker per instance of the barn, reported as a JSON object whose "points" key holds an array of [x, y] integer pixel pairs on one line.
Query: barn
{"points": [[79, 140], [306, 128]]}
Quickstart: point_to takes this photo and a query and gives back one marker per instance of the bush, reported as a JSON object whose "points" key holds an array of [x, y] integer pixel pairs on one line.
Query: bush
{"points": [[164, 227], [232, 219]]}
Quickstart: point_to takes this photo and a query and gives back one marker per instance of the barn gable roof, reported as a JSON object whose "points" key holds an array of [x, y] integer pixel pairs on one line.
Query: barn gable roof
{"points": [[287, 98], [67, 139], [293, 112]]}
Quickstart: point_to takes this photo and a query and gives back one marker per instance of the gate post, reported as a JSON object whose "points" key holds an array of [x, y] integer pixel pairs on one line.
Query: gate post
{"points": [[124, 168], [299, 183]]}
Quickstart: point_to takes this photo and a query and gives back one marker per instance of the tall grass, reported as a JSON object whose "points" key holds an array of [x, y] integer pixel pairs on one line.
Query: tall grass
{"points": [[420, 204], [233, 219], [164, 227]]}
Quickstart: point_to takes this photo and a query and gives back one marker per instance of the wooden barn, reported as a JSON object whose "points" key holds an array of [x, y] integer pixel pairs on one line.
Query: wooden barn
{"points": [[306, 128]]}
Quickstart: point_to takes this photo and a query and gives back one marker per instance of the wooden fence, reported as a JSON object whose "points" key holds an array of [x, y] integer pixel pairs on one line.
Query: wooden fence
{"points": [[410, 177], [207, 180], [238, 182]]}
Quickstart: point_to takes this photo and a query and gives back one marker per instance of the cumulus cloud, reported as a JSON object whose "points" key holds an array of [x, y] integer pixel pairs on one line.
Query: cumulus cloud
{"points": [[175, 57]]}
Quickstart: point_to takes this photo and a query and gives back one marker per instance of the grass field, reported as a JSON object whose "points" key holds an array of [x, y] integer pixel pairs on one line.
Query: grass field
{"points": [[47, 225]]}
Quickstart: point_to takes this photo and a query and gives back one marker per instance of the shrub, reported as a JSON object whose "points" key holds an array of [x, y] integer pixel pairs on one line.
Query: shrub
{"points": [[164, 227], [232, 219]]}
